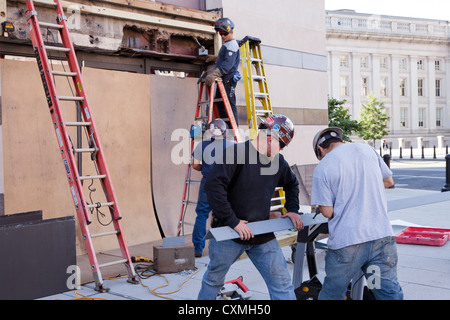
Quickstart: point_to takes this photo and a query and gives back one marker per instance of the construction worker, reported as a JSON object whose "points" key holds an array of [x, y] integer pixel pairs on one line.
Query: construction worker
{"points": [[227, 65], [205, 155], [348, 186], [239, 191]]}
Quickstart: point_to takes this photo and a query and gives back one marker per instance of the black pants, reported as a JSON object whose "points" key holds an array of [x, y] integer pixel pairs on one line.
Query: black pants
{"points": [[230, 87]]}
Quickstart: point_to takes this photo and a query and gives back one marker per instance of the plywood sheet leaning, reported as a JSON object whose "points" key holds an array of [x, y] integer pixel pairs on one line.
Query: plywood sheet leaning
{"points": [[120, 103], [173, 103], [34, 174], [35, 178]]}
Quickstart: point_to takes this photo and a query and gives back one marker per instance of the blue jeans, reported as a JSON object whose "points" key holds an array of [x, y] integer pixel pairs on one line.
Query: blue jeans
{"points": [[378, 261], [202, 209], [267, 258]]}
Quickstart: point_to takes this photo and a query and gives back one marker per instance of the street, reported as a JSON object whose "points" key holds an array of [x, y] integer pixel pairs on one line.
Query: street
{"points": [[425, 175]]}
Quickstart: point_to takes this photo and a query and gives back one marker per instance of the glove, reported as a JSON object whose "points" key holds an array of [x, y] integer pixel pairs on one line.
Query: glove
{"points": [[236, 77], [211, 77]]}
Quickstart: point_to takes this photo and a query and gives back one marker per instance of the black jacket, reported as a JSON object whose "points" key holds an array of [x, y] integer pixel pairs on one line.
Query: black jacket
{"points": [[241, 188]]}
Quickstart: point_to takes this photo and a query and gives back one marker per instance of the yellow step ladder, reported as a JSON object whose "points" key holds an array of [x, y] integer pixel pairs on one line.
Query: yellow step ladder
{"points": [[257, 96]]}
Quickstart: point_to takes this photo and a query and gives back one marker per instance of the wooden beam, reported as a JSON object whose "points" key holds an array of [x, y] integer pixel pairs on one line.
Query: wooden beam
{"points": [[132, 16]]}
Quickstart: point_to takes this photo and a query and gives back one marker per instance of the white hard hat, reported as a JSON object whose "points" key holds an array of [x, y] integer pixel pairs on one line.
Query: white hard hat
{"points": [[323, 135]]}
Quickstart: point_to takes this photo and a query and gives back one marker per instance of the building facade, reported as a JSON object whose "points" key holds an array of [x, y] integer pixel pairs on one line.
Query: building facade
{"points": [[404, 62]]}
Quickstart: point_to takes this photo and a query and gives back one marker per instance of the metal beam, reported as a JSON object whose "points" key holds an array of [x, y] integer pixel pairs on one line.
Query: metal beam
{"points": [[265, 226]]}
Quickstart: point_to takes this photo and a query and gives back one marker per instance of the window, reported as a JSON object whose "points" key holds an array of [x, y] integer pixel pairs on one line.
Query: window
{"points": [[364, 63], [421, 117], [344, 86], [364, 90], [403, 87], [383, 63], [420, 64], [420, 87], [438, 117], [402, 64], [438, 87], [383, 87], [344, 61], [403, 112], [437, 65]]}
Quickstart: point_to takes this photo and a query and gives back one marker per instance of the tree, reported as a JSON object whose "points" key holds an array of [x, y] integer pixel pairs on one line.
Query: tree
{"points": [[373, 120], [338, 116]]}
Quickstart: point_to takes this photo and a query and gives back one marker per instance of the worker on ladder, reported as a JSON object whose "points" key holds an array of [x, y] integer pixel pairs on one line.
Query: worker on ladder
{"points": [[227, 65], [239, 191], [204, 157]]}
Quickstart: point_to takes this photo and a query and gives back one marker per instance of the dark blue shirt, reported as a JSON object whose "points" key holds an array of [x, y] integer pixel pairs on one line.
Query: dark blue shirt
{"points": [[209, 151], [228, 59]]}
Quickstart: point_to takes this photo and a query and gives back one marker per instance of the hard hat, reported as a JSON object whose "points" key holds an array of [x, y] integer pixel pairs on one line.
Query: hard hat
{"points": [[323, 135], [281, 126], [224, 25], [217, 127]]}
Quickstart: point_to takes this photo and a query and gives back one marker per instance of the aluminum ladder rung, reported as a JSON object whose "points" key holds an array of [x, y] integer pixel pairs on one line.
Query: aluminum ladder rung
{"points": [[61, 49], [255, 60], [76, 124], [112, 263], [277, 198], [70, 98], [101, 176], [193, 181], [276, 207], [98, 205], [188, 202], [102, 234], [80, 150], [50, 25], [258, 78], [47, 2], [261, 95], [64, 73], [263, 112]]}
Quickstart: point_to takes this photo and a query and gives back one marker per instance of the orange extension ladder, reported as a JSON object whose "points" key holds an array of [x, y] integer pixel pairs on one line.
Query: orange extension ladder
{"points": [[206, 111], [67, 149]]}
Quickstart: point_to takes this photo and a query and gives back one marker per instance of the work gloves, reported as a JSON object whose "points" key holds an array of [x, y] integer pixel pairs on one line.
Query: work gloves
{"points": [[211, 77]]}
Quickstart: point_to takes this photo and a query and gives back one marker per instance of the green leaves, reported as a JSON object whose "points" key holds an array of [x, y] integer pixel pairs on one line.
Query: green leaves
{"points": [[373, 123]]}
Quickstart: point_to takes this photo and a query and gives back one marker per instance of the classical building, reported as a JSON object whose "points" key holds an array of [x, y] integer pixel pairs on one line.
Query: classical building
{"points": [[403, 61]]}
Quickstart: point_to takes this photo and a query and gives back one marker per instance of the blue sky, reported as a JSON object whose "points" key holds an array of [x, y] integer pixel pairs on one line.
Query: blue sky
{"points": [[430, 9]]}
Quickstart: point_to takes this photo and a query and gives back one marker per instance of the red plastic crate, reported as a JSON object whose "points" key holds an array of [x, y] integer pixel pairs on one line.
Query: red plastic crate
{"points": [[423, 236]]}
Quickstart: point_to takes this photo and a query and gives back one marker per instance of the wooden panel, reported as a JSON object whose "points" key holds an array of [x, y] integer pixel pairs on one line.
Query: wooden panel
{"points": [[120, 103], [34, 173], [173, 106]]}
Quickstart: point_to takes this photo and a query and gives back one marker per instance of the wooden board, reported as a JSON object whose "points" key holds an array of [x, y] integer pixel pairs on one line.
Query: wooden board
{"points": [[173, 110]]}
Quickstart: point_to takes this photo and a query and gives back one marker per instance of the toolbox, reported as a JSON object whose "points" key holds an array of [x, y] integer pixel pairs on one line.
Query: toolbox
{"points": [[173, 259], [423, 236]]}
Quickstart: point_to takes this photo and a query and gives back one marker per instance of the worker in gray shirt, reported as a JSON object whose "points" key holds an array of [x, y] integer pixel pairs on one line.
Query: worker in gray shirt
{"points": [[348, 186]]}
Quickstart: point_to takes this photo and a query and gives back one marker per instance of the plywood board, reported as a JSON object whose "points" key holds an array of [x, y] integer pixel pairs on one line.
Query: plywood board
{"points": [[173, 106], [120, 103], [34, 173]]}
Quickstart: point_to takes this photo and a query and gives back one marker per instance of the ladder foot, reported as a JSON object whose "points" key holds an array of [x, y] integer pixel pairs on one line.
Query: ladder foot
{"points": [[100, 288], [133, 280]]}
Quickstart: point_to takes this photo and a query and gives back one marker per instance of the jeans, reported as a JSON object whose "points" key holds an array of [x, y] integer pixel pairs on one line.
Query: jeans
{"points": [[267, 258], [378, 261], [202, 209]]}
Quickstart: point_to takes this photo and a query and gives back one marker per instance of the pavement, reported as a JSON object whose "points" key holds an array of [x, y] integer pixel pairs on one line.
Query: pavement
{"points": [[423, 270]]}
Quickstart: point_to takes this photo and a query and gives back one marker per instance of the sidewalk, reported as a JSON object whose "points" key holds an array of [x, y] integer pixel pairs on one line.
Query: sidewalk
{"points": [[423, 270]]}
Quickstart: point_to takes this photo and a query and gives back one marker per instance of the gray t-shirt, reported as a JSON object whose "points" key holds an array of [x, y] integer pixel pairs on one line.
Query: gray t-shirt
{"points": [[350, 179]]}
